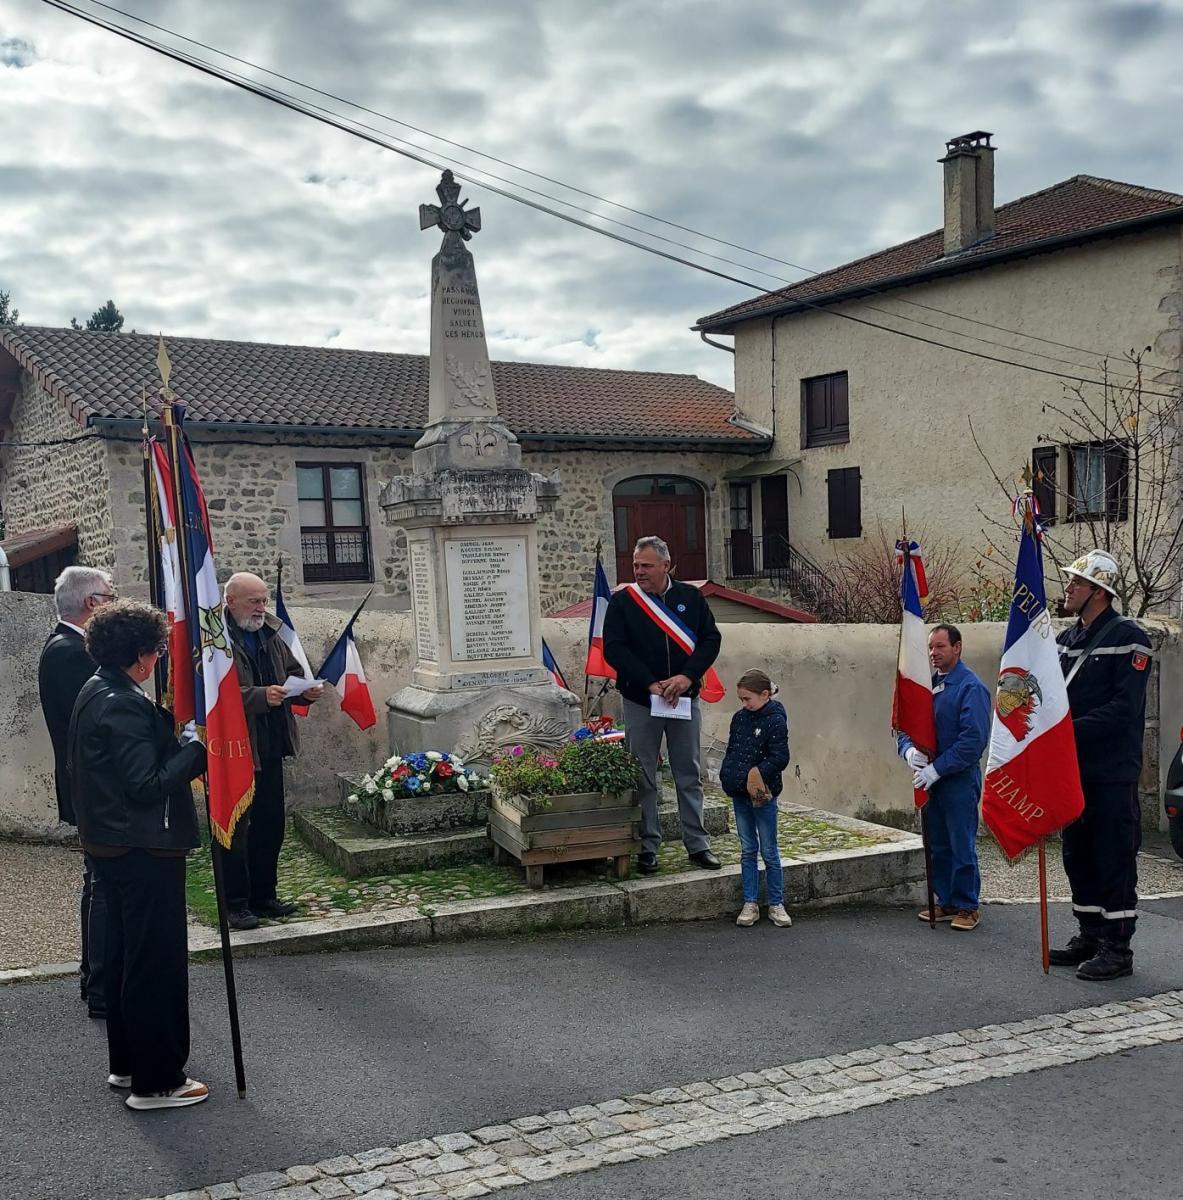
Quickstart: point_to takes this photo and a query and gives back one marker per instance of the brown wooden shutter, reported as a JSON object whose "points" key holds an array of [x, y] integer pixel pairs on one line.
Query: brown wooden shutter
{"points": [[845, 502], [1043, 468]]}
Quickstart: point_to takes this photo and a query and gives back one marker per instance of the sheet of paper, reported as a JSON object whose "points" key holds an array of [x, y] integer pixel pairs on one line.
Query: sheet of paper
{"points": [[297, 685], [679, 710]]}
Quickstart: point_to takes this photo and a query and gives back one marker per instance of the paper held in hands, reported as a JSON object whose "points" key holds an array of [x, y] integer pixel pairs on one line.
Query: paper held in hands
{"points": [[661, 707], [297, 685]]}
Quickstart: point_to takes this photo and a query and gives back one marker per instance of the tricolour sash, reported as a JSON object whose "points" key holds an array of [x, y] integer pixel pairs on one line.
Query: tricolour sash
{"points": [[712, 688]]}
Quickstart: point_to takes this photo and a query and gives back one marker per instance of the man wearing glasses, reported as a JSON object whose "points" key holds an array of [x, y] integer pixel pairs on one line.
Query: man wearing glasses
{"points": [[64, 667]]}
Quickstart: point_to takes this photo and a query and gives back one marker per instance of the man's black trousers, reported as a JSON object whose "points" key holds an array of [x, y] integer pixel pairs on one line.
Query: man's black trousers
{"points": [[147, 969], [1101, 859], [94, 940], [249, 868]]}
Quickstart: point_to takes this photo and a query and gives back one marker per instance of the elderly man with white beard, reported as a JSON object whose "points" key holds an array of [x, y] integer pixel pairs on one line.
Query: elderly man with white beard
{"points": [[263, 661]]}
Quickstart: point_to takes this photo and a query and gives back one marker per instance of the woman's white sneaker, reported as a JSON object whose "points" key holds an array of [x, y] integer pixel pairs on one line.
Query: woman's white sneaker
{"points": [[119, 1081], [778, 916], [190, 1092], [748, 915]]}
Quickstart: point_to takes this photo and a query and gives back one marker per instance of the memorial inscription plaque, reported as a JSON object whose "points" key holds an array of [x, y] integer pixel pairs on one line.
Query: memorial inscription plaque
{"points": [[423, 602], [489, 609]]}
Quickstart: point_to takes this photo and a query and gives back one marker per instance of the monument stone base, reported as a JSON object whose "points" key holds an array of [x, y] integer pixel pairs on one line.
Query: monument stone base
{"points": [[475, 725]]}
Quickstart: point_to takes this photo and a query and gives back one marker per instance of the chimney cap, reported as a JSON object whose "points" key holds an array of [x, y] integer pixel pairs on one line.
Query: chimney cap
{"points": [[967, 143]]}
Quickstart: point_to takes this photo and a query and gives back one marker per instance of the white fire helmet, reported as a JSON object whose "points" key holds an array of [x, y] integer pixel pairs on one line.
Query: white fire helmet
{"points": [[1098, 567]]}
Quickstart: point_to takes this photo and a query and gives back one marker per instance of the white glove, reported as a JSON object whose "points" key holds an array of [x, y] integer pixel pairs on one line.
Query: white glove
{"points": [[916, 759], [925, 777], [188, 734]]}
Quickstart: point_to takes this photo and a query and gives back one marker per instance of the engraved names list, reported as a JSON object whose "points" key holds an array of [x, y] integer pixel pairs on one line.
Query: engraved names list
{"points": [[489, 608]]}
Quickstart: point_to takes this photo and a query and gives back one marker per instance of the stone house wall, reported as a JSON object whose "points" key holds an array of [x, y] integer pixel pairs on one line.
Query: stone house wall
{"points": [[251, 492], [44, 486]]}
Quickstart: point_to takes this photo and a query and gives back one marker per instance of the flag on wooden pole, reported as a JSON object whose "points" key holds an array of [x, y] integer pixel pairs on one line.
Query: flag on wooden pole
{"points": [[596, 663], [290, 638], [911, 706], [342, 669], [1032, 785]]}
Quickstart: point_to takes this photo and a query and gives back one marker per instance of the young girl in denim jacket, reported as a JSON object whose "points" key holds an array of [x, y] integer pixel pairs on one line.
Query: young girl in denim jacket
{"points": [[757, 753]]}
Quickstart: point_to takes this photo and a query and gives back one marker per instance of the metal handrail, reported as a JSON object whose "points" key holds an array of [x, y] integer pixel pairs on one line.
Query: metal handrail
{"points": [[808, 584]]}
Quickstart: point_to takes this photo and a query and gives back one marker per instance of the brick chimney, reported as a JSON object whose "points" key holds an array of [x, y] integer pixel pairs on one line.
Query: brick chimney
{"points": [[969, 190]]}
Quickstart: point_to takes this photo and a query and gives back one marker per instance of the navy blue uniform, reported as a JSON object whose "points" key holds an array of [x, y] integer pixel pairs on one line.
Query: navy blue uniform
{"points": [[961, 706], [1107, 665]]}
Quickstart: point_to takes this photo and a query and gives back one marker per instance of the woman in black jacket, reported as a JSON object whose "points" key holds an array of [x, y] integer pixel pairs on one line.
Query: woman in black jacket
{"points": [[129, 778]]}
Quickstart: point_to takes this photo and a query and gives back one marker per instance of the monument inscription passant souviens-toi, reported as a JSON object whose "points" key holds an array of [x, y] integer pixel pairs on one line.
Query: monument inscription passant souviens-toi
{"points": [[470, 509]]}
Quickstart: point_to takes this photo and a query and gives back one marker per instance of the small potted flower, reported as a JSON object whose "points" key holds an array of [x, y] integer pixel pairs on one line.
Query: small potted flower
{"points": [[422, 792], [567, 805]]}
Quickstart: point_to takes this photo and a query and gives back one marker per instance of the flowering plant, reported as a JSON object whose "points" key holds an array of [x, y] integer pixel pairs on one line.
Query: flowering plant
{"points": [[426, 773], [584, 764]]}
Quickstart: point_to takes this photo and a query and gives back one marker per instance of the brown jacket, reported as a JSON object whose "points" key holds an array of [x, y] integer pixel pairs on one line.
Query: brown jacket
{"points": [[254, 699]]}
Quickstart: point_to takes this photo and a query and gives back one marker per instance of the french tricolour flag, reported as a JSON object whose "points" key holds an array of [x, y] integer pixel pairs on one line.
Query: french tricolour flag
{"points": [[179, 697], [911, 707], [217, 697], [288, 634], [552, 666], [601, 593], [342, 669], [1032, 786]]}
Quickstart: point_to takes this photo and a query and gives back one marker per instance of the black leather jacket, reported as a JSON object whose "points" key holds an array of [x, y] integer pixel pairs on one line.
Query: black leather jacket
{"points": [[129, 776]]}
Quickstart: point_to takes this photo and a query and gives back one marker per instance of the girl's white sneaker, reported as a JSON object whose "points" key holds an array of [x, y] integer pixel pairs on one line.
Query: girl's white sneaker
{"points": [[748, 915], [778, 916]]}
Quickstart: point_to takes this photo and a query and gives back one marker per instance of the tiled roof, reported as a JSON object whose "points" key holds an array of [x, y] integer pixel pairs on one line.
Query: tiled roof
{"points": [[1083, 206], [103, 374]]}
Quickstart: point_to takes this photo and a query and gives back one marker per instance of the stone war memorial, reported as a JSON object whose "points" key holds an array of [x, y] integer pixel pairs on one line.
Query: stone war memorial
{"points": [[469, 509]]}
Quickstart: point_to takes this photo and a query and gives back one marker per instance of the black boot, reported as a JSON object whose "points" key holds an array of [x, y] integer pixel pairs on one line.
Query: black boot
{"points": [[1112, 961], [1079, 950]]}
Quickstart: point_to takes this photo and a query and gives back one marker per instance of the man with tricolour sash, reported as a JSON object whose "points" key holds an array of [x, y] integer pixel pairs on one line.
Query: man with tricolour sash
{"points": [[660, 637]]}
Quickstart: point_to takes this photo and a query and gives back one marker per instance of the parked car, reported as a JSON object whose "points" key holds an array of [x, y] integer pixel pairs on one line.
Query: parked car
{"points": [[1173, 798]]}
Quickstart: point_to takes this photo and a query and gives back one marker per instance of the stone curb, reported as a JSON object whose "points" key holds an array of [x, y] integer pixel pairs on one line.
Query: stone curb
{"points": [[890, 873]]}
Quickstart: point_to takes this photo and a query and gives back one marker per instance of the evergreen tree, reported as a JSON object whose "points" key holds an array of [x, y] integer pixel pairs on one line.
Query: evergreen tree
{"points": [[107, 319], [9, 315]]}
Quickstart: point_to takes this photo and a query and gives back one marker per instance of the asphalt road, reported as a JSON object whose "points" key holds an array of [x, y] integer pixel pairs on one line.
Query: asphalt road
{"points": [[351, 1051]]}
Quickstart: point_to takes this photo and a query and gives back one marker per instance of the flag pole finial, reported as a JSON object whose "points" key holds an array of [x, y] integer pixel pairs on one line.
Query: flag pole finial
{"points": [[165, 367]]}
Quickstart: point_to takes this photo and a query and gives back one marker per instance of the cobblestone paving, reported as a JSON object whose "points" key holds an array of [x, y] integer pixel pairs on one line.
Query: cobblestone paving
{"points": [[320, 891], [536, 1147]]}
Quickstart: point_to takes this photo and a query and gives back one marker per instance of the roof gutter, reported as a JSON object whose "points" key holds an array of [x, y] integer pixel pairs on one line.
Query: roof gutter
{"points": [[953, 265], [133, 425]]}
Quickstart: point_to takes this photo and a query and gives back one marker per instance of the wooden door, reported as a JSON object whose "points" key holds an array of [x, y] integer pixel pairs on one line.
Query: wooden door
{"points": [[671, 509], [774, 519]]}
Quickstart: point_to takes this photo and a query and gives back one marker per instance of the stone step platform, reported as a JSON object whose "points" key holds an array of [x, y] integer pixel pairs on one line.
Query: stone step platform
{"points": [[357, 849]]}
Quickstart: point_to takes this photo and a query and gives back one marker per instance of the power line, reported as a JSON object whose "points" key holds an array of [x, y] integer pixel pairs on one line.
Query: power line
{"points": [[356, 129], [866, 291]]}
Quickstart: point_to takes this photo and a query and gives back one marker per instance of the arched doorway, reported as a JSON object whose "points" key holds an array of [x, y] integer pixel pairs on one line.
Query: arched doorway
{"points": [[670, 507]]}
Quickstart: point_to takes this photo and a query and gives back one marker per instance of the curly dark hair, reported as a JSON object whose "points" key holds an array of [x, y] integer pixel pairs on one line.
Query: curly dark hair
{"points": [[120, 632]]}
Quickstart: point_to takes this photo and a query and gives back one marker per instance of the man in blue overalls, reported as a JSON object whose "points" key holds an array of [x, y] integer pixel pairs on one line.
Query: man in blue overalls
{"points": [[953, 780], [1106, 661]]}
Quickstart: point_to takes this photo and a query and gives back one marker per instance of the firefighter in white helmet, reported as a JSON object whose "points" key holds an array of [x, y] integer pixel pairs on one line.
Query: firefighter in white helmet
{"points": [[1106, 662]]}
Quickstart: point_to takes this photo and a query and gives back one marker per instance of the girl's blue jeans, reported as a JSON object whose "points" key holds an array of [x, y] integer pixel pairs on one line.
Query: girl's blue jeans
{"points": [[757, 836]]}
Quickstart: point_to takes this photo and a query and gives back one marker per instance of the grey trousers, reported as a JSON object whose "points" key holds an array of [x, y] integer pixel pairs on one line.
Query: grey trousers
{"points": [[643, 736]]}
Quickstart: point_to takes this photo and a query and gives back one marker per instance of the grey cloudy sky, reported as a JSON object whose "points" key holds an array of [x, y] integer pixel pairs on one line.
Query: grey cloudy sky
{"points": [[808, 130]]}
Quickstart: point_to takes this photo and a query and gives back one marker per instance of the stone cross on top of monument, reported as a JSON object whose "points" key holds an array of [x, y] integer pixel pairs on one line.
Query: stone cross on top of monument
{"points": [[450, 215]]}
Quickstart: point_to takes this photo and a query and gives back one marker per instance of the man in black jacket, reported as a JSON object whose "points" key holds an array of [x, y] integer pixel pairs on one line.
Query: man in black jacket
{"points": [[654, 670], [64, 667], [1106, 660]]}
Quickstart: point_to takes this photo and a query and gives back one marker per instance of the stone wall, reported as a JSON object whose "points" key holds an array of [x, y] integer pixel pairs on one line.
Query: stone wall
{"points": [[836, 681], [42, 486], [251, 490]]}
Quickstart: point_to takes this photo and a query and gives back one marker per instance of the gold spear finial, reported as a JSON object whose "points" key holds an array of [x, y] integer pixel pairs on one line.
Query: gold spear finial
{"points": [[164, 366], [1026, 477]]}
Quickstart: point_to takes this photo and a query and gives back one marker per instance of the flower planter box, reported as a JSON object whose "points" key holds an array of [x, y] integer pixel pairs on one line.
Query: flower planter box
{"points": [[576, 827]]}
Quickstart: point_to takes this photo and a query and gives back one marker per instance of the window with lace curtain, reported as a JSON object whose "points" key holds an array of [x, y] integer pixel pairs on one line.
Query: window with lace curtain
{"points": [[1098, 481], [334, 533]]}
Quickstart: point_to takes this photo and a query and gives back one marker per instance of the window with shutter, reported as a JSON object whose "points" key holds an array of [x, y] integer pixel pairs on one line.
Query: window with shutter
{"points": [[844, 486], [1098, 481], [825, 410]]}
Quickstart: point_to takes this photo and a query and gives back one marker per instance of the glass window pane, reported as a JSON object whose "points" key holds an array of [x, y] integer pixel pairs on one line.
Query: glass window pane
{"points": [[641, 486], [349, 547], [345, 483], [691, 529], [314, 548], [1088, 479], [312, 512], [309, 483], [347, 512], [622, 528]]}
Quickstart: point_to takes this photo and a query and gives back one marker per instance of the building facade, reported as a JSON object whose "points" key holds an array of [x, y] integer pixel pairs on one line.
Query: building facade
{"points": [[871, 419], [294, 445]]}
